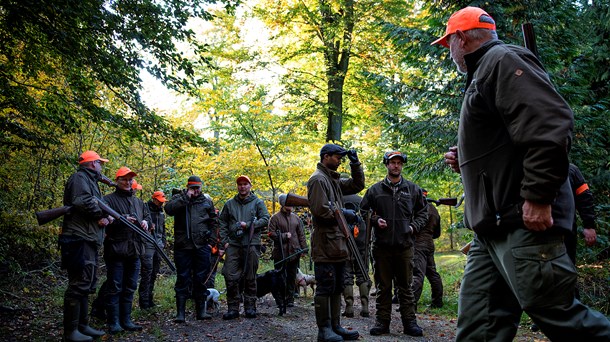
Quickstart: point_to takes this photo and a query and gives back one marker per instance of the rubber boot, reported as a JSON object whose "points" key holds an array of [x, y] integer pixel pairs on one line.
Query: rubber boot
{"points": [[71, 317], [335, 317], [201, 307], [322, 311], [364, 289], [411, 328], [83, 320], [348, 295], [125, 317], [180, 309], [112, 313]]}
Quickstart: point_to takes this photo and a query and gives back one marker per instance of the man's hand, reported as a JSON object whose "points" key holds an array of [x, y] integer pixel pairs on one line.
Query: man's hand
{"points": [[288, 235], [144, 225], [537, 217], [451, 159], [353, 156], [382, 223], [590, 236]]}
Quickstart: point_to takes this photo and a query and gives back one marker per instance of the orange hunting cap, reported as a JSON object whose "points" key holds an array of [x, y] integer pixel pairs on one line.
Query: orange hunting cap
{"points": [[243, 178], [124, 171], [135, 185], [89, 156], [159, 196], [466, 19]]}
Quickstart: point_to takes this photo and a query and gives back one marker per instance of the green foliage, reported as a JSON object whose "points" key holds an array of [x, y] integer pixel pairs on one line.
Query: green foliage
{"points": [[23, 245]]}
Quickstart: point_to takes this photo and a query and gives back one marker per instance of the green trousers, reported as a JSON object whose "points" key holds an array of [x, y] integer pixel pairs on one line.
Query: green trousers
{"points": [[521, 270]]}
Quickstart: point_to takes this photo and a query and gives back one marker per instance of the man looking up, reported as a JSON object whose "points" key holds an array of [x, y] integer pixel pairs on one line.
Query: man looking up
{"points": [[328, 244]]}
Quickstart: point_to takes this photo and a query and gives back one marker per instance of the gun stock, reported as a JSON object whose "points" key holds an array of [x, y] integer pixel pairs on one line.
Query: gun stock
{"points": [[294, 200], [46, 216]]}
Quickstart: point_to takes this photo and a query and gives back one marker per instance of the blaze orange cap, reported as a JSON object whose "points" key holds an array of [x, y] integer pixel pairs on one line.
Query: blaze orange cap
{"points": [[89, 156], [159, 196], [135, 185], [243, 178], [124, 171], [466, 19]]}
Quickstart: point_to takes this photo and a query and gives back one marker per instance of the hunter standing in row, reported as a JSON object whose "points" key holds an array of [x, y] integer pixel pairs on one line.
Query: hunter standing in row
{"points": [[194, 224], [82, 234], [288, 227], [399, 211], [122, 251], [242, 220], [329, 249]]}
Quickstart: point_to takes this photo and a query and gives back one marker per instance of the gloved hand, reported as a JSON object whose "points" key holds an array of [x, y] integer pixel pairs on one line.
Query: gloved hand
{"points": [[352, 155], [350, 216], [239, 230]]}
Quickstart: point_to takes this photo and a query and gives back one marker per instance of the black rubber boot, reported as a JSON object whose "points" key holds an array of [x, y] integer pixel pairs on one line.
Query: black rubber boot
{"points": [[335, 318], [201, 306], [180, 310], [364, 289], [322, 310], [112, 313], [380, 328], [83, 321], [348, 296], [411, 328], [71, 318], [125, 317]]}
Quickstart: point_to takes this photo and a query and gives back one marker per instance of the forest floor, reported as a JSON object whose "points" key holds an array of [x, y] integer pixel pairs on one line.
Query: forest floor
{"points": [[30, 310]]}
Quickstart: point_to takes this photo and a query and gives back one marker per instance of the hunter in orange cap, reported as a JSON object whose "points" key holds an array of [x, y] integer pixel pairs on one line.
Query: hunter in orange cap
{"points": [[159, 196], [124, 171], [466, 19], [243, 178], [136, 186], [89, 156]]}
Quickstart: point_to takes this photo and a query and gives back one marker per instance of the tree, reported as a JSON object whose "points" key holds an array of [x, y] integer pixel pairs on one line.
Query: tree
{"points": [[67, 64]]}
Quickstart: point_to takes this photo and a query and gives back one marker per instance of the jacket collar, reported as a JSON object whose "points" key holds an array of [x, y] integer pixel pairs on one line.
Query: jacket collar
{"points": [[332, 174], [472, 59]]}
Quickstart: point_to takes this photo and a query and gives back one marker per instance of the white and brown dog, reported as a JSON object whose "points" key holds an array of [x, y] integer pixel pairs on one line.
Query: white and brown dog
{"points": [[303, 281]]}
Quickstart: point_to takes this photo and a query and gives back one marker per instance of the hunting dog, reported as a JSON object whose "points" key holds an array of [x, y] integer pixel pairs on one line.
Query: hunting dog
{"points": [[274, 282], [303, 280]]}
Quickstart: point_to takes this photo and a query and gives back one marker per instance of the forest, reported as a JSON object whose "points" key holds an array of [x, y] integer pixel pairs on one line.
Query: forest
{"points": [[256, 87]]}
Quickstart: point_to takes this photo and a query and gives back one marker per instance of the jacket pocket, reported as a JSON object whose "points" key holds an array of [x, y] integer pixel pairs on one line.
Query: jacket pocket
{"points": [[544, 274], [337, 246]]}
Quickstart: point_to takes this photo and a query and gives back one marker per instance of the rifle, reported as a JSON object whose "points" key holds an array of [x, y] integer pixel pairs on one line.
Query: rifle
{"points": [[138, 231], [445, 201], [46, 216], [283, 302], [351, 243], [368, 234], [529, 38], [301, 201], [293, 200], [284, 259], [250, 234]]}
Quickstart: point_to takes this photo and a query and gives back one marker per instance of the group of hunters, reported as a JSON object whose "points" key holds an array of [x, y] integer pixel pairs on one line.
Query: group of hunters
{"points": [[512, 152]]}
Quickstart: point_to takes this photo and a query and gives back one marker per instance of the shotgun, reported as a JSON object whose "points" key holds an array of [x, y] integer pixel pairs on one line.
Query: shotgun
{"points": [[445, 201], [293, 200]]}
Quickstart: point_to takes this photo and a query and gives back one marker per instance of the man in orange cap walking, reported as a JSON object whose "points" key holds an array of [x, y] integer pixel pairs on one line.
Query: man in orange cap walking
{"points": [[82, 235], [513, 143]]}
